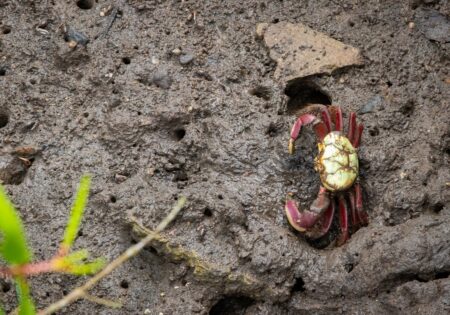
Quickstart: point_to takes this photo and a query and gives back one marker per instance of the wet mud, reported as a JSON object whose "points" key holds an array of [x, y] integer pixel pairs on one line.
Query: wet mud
{"points": [[158, 99]]}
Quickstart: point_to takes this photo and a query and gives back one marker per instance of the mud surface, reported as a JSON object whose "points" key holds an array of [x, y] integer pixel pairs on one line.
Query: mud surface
{"points": [[167, 98]]}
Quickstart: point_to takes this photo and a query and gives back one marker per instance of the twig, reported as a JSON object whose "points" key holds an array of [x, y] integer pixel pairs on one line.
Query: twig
{"points": [[111, 19], [81, 291]]}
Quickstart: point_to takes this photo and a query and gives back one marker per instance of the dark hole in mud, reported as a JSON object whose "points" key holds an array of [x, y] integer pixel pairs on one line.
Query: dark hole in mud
{"points": [[6, 30], [407, 109], [4, 118], [6, 287], [179, 133], [261, 92], [2, 72], [271, 130], [438, 207], [152, 250], [351, 23], [231, 305], [302, 93], [180, 176], [113, 199], [207, 212], [374, 132], [124, 284], [349, 267], [275, 21], [80, 233], [442, 275], [126, 60], [389, 83], [85, 4], [299, 285], [220, 197]]}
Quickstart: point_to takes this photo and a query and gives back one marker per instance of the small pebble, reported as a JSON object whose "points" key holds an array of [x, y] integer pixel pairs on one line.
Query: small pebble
{"points": [[370, 106], [74, 37], [176, 51], [120, 178], [155, 60], [12, 170], [162, 79], [186, 58]]}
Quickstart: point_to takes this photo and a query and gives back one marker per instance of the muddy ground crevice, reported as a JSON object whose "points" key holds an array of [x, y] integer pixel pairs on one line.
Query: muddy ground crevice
{"points": [[178, 97]]}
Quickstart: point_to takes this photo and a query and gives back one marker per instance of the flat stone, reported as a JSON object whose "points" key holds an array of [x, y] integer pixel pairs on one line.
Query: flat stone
{"points": [[162, 79], [12, 170], [433, 25], [186, 58], [301, 51]]}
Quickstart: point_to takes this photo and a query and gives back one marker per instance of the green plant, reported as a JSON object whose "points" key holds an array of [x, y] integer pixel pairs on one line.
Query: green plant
{"points": [[14, 249]]}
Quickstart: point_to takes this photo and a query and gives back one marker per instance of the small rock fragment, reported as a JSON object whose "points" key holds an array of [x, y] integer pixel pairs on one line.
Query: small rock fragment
{"points": [[370, 106], [301, 51], [155, 60], [12, 170], [119, 178], [260, 29], [74, 37], [162, 79], [176, 51], [433, 25], [186, 58]]}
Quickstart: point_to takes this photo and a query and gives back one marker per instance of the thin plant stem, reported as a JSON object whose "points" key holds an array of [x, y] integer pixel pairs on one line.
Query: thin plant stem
{"points": [[81, 291]]}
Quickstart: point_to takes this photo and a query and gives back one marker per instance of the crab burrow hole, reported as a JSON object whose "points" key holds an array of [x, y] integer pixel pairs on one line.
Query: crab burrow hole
{"points": [[231, 305], [179, 133], [302, 92], [85, 4], [6, 29], [4, 117]]}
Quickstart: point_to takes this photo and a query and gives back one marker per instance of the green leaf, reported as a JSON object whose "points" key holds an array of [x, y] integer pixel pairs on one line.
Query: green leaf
{"points": [[26, 305], [2, 312], [76, 213], [75, 264], [13, 243], [87, 268]]}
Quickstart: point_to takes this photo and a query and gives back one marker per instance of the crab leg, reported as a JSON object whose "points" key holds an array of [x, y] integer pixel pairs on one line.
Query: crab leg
{"points": [[354, 215], [362, 215], [338, 122], [351, 126], [326, 118], [321, 130], [327, 219], [357, 136], [343, 221], [303, 220], [302, 120]]}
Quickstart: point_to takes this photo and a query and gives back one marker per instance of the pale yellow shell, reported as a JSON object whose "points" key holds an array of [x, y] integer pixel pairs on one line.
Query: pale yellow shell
{"points": [[337, 162]]}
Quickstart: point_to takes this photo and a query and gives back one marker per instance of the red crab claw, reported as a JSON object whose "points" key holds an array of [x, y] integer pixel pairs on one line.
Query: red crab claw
{"points": [[304, 220], [302, 120]]}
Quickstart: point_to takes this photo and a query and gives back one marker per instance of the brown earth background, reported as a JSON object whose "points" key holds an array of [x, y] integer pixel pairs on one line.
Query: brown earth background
{"points": [[174, 98]]}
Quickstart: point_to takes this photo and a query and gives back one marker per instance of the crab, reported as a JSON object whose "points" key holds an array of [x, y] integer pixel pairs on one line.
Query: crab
{"points": [[338, 167]]}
